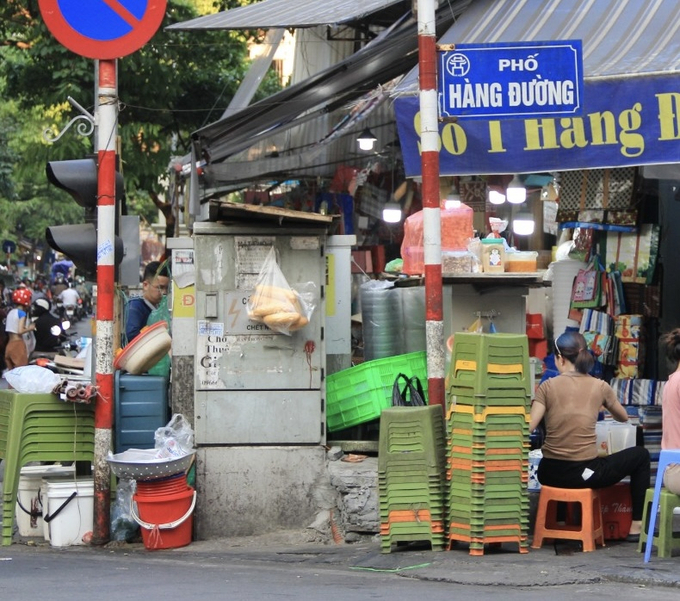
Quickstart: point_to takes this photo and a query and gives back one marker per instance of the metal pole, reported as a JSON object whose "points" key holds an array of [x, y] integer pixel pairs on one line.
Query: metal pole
{"points": [[429, 139], [106, 230]]}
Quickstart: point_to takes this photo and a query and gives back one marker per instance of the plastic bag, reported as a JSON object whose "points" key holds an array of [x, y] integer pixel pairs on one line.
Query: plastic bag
{"points": [[160, 313], [123, 525], [32, 379], [275, 303], [411, 395], [176, 439]]}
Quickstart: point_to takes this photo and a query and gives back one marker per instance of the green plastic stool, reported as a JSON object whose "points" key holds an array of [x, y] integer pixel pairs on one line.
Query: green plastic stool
{"points": [[664, 541]]}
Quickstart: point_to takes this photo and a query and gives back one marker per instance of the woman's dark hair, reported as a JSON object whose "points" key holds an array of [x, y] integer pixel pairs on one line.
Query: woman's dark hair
{"points": [[573, 347], [672, 342]]}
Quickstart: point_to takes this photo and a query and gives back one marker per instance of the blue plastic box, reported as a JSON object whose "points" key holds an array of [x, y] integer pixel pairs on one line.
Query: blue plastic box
{"points": [[141, 404]]}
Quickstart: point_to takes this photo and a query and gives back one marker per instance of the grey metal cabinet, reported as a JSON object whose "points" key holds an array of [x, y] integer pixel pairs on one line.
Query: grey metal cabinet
{"points": [[253, 385]]}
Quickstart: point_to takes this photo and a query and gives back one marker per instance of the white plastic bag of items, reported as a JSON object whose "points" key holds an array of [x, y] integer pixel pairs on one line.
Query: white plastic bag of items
{"points": [[32, 379]]}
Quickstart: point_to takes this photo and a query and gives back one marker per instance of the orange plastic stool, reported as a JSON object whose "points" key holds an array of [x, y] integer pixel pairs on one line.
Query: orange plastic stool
{"points": [[589, 531]]}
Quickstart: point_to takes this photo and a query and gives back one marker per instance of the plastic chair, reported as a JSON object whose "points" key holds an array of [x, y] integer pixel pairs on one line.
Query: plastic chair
{"points": [[589, 531], [666, 458], [664, 541]]}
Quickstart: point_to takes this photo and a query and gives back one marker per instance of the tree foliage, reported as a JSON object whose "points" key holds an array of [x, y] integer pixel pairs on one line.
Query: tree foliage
{"points": [[175, 84]]}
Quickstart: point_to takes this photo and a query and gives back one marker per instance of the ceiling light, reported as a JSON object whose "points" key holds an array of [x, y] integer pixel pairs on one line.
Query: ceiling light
{"points": [[523, 224], [391, 212], [496, 198], [366, 140], [452, 200], [515, 191]]}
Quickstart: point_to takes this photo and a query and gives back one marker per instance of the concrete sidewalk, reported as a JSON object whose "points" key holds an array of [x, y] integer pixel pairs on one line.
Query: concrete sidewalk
{"points": [[617, 562]]}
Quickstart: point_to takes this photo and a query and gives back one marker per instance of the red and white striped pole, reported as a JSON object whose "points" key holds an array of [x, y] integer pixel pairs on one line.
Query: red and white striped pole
{"points": [[107, 119], [429, 139]]}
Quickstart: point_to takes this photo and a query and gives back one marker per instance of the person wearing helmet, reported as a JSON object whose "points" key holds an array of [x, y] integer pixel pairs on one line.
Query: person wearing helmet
{"points": [[45, 340], [21, 340]]}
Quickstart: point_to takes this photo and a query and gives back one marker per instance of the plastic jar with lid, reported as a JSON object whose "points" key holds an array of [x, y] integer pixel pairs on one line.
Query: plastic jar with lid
{"points": [[493, 255]]}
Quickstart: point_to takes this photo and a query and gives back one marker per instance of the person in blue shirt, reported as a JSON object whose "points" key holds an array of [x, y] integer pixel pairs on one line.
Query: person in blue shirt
{"points": [[155, 284]]}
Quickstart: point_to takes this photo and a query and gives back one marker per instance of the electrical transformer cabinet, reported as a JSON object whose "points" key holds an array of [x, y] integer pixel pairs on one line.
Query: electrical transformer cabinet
{"points": [[255, 386]]}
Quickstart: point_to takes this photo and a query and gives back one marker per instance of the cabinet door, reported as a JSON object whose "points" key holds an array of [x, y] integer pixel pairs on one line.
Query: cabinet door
{"points": [[236, 353], [259, 417]]}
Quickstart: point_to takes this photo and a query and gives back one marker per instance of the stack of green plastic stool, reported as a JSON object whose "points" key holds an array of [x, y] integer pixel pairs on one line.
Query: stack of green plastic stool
{"points": [[411, 465], [487, 426], [39, 427]]}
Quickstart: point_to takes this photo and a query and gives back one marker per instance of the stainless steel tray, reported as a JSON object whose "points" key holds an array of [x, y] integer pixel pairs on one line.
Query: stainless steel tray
{"points": [[140, 464]]}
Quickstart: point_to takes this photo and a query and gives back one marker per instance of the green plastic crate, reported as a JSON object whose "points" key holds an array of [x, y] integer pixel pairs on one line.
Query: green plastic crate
{"points": [[358, 395]]}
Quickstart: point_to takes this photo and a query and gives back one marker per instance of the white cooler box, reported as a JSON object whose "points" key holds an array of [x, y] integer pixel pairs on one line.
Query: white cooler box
{"points": [[68, 509], [29, 508]]}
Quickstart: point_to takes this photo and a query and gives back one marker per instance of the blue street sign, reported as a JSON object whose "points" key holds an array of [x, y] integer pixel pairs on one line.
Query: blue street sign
{"points": [[487, 81], [8, 246], [103, 29]]}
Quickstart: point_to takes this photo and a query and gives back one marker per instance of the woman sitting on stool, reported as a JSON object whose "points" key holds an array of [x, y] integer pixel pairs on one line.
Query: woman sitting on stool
{"points": [[570, 404]]}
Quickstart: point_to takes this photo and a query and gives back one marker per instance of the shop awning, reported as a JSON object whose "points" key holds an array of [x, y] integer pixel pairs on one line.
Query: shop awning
{"points": [[385, 58], [631, 63], [299, 13]]}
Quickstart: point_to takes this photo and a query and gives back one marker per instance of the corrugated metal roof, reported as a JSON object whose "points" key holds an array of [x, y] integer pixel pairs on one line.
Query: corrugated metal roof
{"points": [[621, 38], [329, 90], [294, 13]]}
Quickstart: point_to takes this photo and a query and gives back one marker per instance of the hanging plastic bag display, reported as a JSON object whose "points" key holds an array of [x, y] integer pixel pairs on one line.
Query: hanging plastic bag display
{"points": [[276, 304]]}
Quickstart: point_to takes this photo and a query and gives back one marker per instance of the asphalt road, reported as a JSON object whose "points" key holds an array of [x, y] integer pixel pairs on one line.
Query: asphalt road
{"points": [[74, 574]]}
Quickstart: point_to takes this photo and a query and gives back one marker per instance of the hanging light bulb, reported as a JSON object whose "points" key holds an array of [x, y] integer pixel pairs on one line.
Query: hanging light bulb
{"points": [[515, 191], [523, 224], [452, 200], [366, 140], [496, 198], [391, 212]]}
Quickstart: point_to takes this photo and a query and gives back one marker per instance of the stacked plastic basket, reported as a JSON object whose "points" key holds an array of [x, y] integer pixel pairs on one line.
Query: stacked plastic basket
{"points": [[487, 425], [411, 476]]}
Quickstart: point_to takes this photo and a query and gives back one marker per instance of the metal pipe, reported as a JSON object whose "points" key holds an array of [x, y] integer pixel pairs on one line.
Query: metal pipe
{"points": [[429, 138]]}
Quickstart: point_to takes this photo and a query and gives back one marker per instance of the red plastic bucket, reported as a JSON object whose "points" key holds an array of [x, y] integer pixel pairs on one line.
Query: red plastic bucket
{"points": [[166, 520], [162, 486]]}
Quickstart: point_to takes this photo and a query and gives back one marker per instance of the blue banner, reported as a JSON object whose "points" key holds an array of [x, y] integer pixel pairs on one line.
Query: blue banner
{"points": [[625, 122], [518, 79]]}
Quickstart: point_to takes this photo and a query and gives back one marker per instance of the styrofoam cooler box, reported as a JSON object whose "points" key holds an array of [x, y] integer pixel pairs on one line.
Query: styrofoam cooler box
{"points": [[70, 505], [29, 507]]}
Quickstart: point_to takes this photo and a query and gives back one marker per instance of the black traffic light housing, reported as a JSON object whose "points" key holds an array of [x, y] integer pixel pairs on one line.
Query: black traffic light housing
{"points": [[78, 242]]}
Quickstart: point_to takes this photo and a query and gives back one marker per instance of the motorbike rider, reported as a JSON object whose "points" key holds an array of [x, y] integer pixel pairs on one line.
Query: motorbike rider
{"points": [[45, 339], [69, 297], [20, 332], [85, 294]]}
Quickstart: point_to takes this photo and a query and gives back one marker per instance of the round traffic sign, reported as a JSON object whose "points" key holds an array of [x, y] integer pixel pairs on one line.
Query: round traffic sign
{"points": [[8, 246], [103, 29]]}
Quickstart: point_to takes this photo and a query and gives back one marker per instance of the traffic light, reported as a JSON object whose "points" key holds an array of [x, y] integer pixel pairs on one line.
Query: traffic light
{"points": [[79, 241]]}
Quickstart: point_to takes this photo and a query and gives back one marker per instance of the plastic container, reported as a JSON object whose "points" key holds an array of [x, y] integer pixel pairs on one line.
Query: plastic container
{"points": [[456, 232], [521, 261], [359, 394], [493, 255], [166, 519], [29, 504], [69, 510], [145, 350], [141, 408]]}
